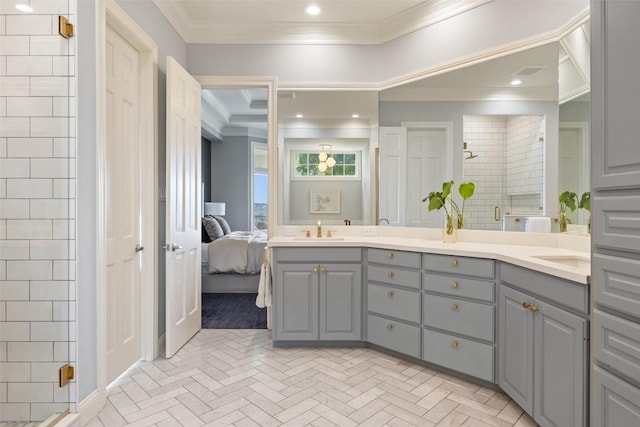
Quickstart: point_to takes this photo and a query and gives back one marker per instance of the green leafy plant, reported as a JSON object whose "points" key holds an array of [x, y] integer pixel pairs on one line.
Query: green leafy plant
{"points": [[439, 200], [585, 201], [567, 199]]}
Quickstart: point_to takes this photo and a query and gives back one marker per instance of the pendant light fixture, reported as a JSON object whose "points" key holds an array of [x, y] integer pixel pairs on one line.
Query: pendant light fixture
{"points": [[326, 161]]}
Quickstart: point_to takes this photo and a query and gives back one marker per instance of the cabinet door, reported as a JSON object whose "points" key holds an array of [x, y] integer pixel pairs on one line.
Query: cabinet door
{"points": [[559, 363], [515, 364], [297, 302], [614, 402], [340, 302]]}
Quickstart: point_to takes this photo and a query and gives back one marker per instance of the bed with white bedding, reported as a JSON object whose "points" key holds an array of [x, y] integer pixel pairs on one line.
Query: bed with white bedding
{"points": [[232, 263]]}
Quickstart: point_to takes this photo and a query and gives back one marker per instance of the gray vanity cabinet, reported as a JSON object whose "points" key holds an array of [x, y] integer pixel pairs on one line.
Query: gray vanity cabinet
{"points": [[543, 352], [318, 297]]}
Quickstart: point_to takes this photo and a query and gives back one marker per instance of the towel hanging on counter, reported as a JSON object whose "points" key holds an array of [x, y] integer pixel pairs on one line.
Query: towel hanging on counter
{"points": [[264, 286]]}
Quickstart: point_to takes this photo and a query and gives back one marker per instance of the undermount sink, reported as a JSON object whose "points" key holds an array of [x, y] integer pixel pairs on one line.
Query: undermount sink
{"points": [[568, 260], [318, 239]]}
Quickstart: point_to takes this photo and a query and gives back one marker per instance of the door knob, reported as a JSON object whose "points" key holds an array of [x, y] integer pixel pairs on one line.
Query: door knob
{"points": [[526, 304], [454, 285], [323, 270], [171, 247], [315, 269], [534, 309], [139, 248]]}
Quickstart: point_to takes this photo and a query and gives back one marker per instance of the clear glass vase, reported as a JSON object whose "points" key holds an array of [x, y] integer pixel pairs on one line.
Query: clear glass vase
{"points": [[461, 221], [563, 222], [450, 230]]}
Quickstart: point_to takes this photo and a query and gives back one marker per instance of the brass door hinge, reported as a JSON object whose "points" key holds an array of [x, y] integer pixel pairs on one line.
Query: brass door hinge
{"points": [[66, 374], [65, 29]]}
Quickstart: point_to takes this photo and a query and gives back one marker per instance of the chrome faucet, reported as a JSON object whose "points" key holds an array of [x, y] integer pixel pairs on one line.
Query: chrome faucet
{"points": [[383, 219], [319, 234]]}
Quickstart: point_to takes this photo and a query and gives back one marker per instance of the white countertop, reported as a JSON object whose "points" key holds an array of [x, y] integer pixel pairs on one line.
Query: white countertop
{"points": [[521, 255]]}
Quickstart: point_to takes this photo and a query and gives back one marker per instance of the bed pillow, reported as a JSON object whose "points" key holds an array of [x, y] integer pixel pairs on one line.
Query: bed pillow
{"points": [[205, 235], [223, 223], [212, 227]]}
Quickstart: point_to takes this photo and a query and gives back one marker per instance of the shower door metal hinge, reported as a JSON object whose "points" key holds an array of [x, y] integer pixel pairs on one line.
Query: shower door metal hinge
{"points": [[65, 28], [66, 374]]}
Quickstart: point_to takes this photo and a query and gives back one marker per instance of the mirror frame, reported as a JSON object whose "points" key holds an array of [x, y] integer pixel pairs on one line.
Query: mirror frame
{"points": [[270, 84]]}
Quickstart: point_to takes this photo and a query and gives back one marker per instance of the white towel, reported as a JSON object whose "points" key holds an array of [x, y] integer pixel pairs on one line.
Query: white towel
{"points": [[538, 224], [263, 299]]}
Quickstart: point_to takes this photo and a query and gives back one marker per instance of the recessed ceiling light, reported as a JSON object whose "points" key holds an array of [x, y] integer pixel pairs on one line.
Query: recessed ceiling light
{"points": [[516, 82], [24, 8], [355, 116], [299, 116], [313, 10]]}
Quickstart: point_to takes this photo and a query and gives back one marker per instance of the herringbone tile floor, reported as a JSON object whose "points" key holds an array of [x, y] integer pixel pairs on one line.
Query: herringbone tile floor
{"points": [[236, 378]]}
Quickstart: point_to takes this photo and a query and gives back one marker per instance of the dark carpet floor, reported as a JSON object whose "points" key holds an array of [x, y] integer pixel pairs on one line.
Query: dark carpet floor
{"points": [[232, 311]]}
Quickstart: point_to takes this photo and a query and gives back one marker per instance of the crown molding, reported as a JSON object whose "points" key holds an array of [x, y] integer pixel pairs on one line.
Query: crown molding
{"points": [[199, 31]]}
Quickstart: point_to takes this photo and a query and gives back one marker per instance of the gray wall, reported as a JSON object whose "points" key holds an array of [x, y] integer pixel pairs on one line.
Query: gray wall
{"points": [[149, 18], [206, 169], [350, 201], [230, 178], [575, 111]]}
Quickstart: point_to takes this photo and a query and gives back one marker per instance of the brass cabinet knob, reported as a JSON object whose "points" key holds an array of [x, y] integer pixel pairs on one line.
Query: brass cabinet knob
{"points": [[454, 344], [390, 255], [454, 307], [390, 294], [454, 262], [390, 275], [323, 270], [534, 309], [526, 304], [390, 326], [454, 285]]}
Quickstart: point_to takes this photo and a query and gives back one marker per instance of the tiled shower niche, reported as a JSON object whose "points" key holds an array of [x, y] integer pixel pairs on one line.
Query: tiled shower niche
{"points": [[37, 209]]}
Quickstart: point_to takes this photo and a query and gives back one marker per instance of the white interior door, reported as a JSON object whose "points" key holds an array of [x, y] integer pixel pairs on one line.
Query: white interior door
{"points": [[393, 178], [426, 157], [569, 165], [183, 298], [123, 305]]}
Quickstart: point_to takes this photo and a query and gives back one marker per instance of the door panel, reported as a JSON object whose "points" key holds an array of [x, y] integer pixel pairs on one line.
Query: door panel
{"points": [[393, 179], [123, 303], [560, 345], [184, 314], [516, 347], [297, 302], [340, 302]]}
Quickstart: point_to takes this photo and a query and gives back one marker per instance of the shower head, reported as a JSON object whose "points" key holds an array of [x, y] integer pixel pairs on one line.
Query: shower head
{"points": [[471, 155]]}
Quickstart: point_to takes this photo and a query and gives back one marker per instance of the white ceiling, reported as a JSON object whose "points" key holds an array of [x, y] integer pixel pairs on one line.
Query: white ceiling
{"points": [[285, 21]]}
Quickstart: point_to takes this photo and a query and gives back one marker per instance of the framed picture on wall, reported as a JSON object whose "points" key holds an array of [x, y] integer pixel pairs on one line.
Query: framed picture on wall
{"points": [[324, 202]]}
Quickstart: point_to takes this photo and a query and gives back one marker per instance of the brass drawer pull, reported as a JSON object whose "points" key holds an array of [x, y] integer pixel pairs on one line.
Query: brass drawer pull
{"points": [[454, 344], [390, 294], [454, 307], [390, 255], [526, 304], [390, 275], [315, 269], [534, 309], [454, 285], [323, 270], [454, 262], [390, 326]]}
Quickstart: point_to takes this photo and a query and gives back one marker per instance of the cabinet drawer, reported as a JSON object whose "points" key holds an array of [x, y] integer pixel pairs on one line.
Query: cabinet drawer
{"points": [[462, 317], [559, 291], [477, 267], [459, 287], [459, 354], [394, 335], [394, 302], [394, 258], [394, 276], [616, 343], [318, 255], [614, 402], [616, 283]]}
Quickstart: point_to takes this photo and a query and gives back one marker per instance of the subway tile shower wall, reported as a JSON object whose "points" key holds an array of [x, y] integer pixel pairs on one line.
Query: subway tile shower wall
{"points": [[508, 171], [37, 210]]}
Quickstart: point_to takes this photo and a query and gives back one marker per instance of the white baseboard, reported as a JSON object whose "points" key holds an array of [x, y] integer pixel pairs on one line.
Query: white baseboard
{"points": [[91, 406]]}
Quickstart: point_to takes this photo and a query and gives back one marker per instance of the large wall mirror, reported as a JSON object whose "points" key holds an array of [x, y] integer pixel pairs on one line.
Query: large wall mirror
{"points": [[516, 126], [326, 156]]}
